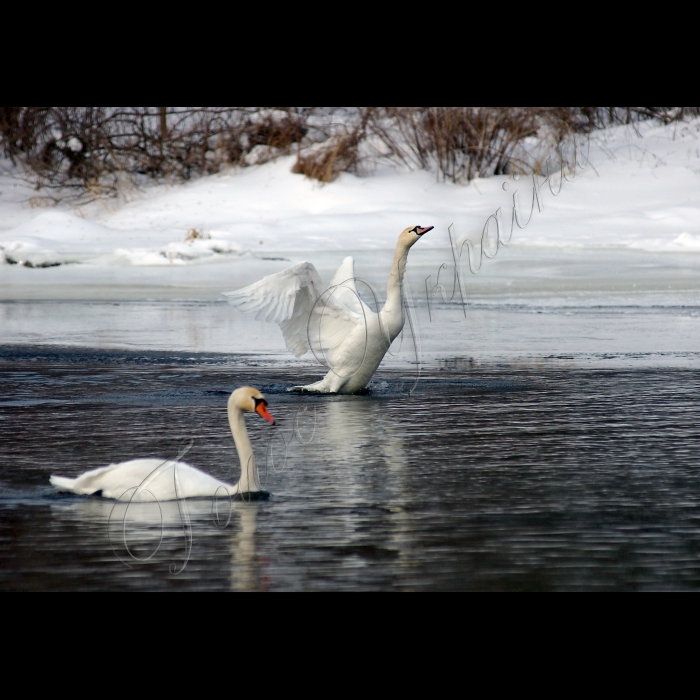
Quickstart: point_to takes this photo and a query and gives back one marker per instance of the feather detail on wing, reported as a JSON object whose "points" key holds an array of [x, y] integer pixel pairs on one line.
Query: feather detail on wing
{"points": [[344, 279], [291, 299]]}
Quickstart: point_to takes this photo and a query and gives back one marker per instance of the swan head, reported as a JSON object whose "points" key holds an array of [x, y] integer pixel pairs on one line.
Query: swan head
{"points": [[249, 399], [412, 234]]}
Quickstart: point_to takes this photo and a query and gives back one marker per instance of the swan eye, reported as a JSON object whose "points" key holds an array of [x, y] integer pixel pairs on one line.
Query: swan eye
{"points": [[258, 401], [414, 229]]}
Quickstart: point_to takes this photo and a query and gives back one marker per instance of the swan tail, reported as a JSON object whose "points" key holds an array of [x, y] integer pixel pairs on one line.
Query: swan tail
{"points": [[63, 483]]}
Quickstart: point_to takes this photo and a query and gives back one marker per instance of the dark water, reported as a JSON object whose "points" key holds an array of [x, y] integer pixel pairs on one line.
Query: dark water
{"points": [[485, 478]]}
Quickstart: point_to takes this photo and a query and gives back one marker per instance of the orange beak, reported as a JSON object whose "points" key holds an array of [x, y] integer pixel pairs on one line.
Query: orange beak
{"points": [[261, 410]]}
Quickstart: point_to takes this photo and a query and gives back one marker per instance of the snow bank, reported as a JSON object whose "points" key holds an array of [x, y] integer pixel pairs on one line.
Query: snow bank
{"points": [[642, 193], [56, 237]]}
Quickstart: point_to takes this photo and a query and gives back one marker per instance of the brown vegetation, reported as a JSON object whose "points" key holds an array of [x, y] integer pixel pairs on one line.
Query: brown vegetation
{"points": [[91, 149]]}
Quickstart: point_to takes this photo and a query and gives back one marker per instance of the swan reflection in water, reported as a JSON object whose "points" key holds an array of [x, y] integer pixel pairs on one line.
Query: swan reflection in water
{"points": [[357, 469], [171, 537], [245, 565]]}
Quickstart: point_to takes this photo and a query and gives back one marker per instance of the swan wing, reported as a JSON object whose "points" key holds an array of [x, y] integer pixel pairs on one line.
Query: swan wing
{"points": [[273, 298], [344, 279], [293, 298], [144, 480]]}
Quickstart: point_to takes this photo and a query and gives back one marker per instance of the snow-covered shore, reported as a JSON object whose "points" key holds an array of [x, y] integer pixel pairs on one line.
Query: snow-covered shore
{"points": [[642, 193]]}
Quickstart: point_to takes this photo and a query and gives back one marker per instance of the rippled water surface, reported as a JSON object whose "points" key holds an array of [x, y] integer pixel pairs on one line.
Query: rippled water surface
{"points": [[487, 476]]}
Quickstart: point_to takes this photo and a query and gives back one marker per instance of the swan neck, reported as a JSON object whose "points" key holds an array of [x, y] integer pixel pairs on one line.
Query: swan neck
{"points": [[249, 480], [393, 286]]}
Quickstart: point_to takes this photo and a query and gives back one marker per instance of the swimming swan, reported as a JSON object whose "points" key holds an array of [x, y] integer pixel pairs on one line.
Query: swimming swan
{"points": [[167, 480], [340, 329]]}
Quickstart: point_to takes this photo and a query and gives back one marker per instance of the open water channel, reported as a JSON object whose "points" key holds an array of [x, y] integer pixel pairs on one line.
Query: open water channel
{"points": [[549, 441]]}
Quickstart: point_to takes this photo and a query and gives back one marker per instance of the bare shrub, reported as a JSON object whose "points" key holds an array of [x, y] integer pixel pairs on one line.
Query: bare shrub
{"points": [[609, 116], [326, 163], [95, 151], [90, 148], [462, 143], [339, 152]]}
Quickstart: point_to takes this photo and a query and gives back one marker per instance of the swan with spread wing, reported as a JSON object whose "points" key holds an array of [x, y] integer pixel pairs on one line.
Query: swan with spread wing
{"points": [[333, 322]]}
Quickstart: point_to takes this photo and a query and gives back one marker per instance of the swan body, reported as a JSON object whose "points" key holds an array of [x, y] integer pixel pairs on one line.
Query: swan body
{"points": [[153, 479], [166, 480], [342, 332]]}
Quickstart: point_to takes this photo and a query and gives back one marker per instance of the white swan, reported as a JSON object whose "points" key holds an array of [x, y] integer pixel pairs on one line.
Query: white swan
{"points": [[339, 328], [166, 480]]}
